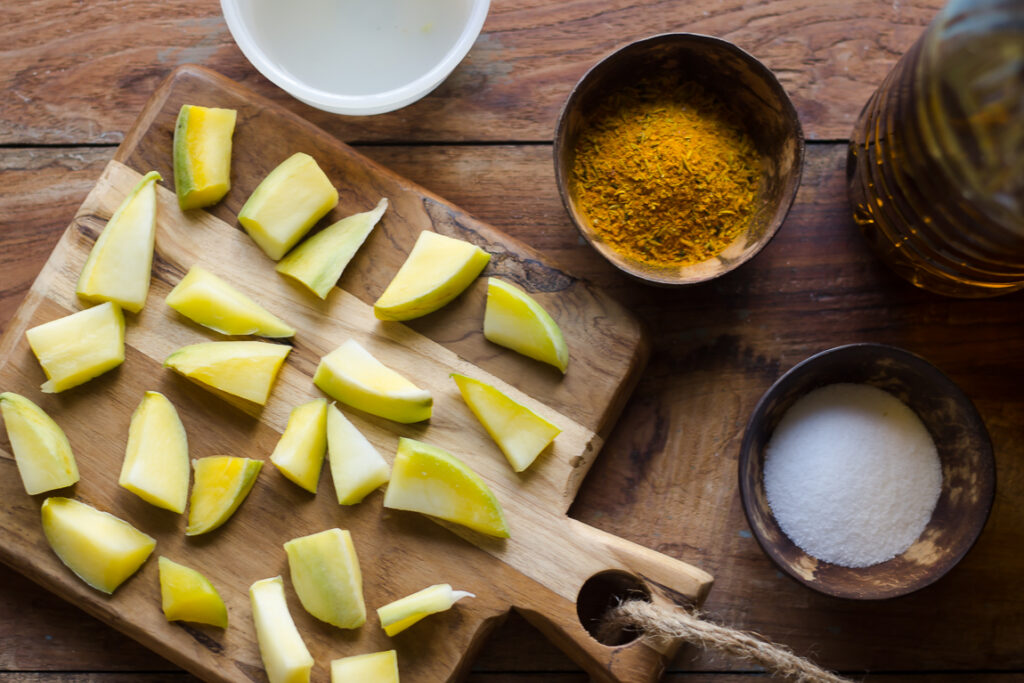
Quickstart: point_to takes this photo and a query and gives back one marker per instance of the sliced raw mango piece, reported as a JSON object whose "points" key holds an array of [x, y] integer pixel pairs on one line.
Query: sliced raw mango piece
{"points": [[202, 155], [437, 270], [204, 298], [399, 615], [41, 450], [99, 548], [374, 667], [120, 264], [513, 319], [74, 349], [241, 368], [155, 464], [326, 576], [318, 262], [221, 484], [285, 656], [432, 481], [520, 433], [354, 377], [187, 595], [289, 201], [299, 454], [357, 468]]}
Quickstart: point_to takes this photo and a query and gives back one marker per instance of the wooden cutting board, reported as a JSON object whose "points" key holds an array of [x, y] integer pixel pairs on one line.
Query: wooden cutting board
{"points": [[540, 571]]}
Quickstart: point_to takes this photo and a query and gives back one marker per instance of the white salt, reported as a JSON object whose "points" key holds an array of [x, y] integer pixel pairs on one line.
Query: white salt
{"points": [[852, 475]]}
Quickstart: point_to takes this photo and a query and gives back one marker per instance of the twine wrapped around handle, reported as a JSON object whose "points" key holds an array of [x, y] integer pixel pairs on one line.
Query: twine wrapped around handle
{"points": [[653, 621]]}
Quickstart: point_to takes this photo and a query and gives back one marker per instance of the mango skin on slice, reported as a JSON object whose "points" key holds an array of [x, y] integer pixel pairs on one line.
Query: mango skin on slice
{"points": [[514, 319], [325, 573], [74, 349], [42, 451], [202, 155], [357, 468], [120, 264], [156, 463], [299, 454], [399, 615], [204, 298], [373, 667], [246, 369], [222, 482], [187, 595], [285, 656]]}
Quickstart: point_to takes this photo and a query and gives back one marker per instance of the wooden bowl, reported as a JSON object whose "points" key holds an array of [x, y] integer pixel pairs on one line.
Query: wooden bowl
{"points": [[964, 448], [745, 86]]}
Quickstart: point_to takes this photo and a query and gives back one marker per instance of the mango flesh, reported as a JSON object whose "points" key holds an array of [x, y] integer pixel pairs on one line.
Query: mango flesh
{"points": [[202, 155], [356, 466], [204, 298], [432, 481], [399, 615], [299, 453], [221, 484], [246, 369], [514, 319], [354, 377], [41, 450], [437, 270], [325, 574], [99, 548], [156, 464], [289, 201], [319, 262], [374, 667], [520, 433], [74, 349], [187, 595], [285, 656]]}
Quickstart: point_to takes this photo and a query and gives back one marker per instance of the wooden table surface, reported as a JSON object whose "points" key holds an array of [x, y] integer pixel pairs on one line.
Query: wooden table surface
{"points": [[75, 74]]}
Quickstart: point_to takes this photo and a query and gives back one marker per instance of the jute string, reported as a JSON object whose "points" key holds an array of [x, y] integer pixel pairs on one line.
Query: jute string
{"points": [[655, 622]]}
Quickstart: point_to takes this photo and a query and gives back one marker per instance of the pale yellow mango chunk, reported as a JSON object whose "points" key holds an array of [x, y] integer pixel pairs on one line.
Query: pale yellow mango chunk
{"points": [[289, 201], [299, 453], [246, 369], [285, 656], [514, 319], [326, 576], [156, 464], [187, 595], [399, 615], [41, 450], [357, 468], [99, 548], [221, 484], [202, 155], [374, 667], [74, 349], [204, 298]]}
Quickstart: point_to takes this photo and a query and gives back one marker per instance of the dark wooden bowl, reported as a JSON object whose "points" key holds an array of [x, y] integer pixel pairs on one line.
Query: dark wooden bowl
{"points": [[744, 85], [962, 441]]}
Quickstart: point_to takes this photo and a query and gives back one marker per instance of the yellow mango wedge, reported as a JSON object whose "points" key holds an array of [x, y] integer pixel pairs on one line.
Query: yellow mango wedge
{"points": [[432, 481], [187, 595], [204, 298], [74, 349], [285, 656], [354, 377], [513, 319], [246, 369], [299, 453], [374, 667], [520, 433], [356, 467], [289, 201], [325, 573], [437, 270], [319, 262], [42, 451], [120, 264], [399, 615], [99, 548], [156, 464], [221, 484], [202, 155]]}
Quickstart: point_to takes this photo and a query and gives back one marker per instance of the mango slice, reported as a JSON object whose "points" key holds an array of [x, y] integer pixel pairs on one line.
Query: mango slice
{"points": [[437, 270], [299, 453], [99, 548], [120, 264], [432, 481], [520, 433], [187, 595], [375, 667], [289, 201], [285, 656], [155, 464], [399, 615], [356, 466], [319, 262], [204, 298], [246, 369], [74, 349], [202, 155], [41, 450], [513, 319], [221, 484], [354, 377], [326, 576]]}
